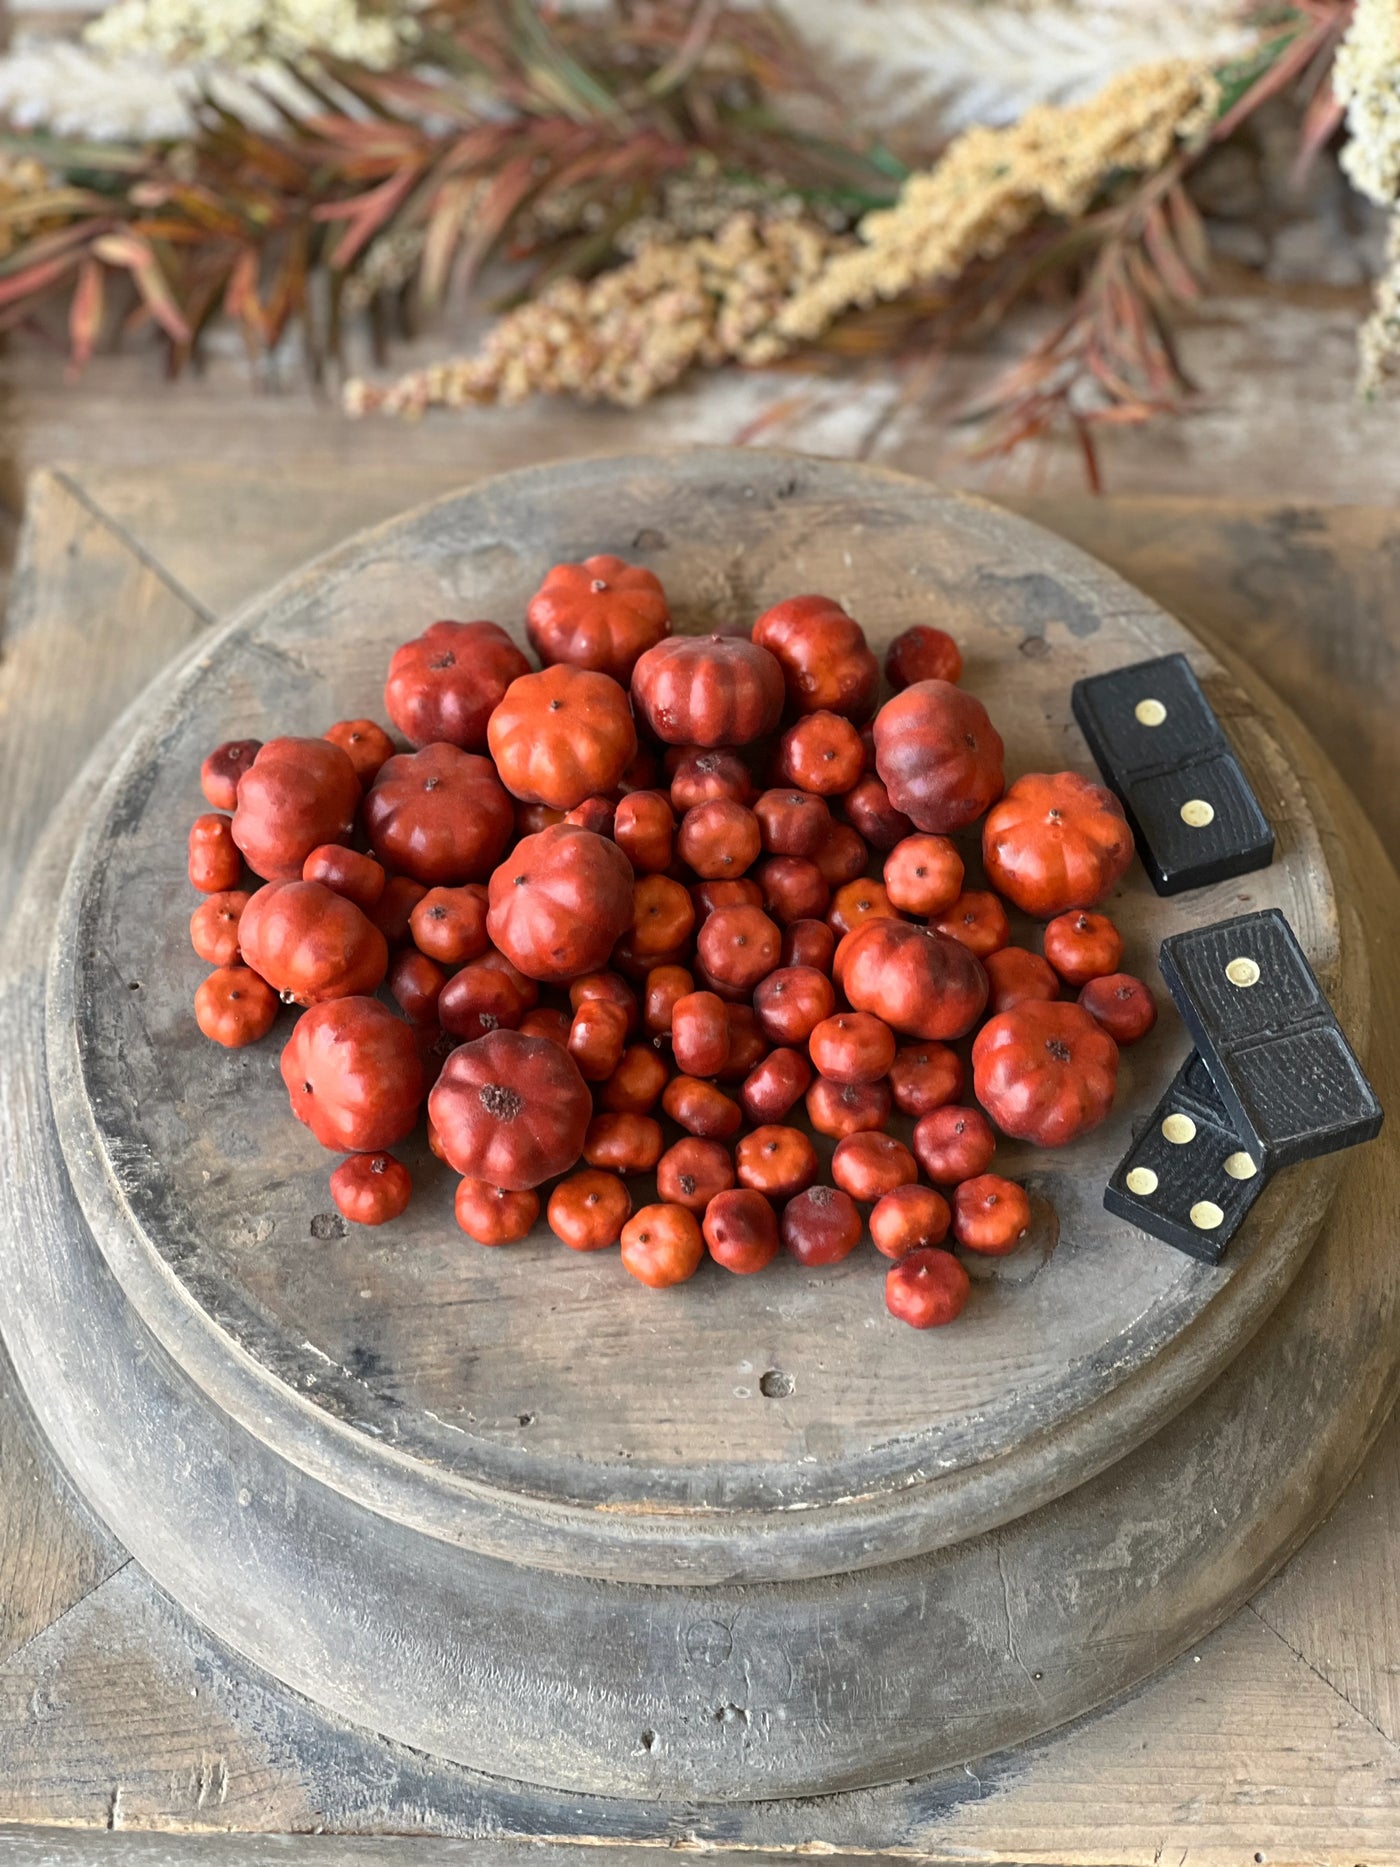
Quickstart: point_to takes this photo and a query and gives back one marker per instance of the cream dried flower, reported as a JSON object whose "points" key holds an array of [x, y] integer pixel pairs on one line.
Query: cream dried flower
{"points": [[1366, 78], [991, 185], [251, 32], [1379, 368], [632, 331]]}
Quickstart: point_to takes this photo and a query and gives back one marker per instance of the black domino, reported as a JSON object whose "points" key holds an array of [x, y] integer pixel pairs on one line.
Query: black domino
{"points": [[1187, 1179], [1285, 1072], [1162, 752]]}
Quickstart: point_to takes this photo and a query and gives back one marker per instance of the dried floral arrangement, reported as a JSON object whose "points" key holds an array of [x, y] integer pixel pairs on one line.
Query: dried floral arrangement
{"points": [[651, 170]]}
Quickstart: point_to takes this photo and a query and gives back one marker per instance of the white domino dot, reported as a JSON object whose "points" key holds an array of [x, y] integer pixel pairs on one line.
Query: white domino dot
{"points": [[1149, 712], [1242, 972], [1206, 1215], [1179, 1129], [1197, 813], [1240, 1167], [1141, 1180]]}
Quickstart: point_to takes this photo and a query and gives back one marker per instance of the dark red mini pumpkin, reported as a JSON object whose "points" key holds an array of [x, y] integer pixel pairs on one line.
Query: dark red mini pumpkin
{"points": [[562, 736], [510, 1109], [440, 816], [354, 1074], [923, 653], [296, 795], [827, 663], [1122, 1004], [560, 902], [601, 614], [1044, 1073], [445, 684], [920, 982], [708, 690], [311, 944], [1056, 841], [939, 756]]}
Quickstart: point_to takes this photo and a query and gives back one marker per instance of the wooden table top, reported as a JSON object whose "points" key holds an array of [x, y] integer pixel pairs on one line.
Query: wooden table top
{"points": [[1275, 1741]]}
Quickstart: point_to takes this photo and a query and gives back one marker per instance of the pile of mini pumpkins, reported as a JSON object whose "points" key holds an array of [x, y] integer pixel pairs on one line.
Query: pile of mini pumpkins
{"points": [[693, 877]]}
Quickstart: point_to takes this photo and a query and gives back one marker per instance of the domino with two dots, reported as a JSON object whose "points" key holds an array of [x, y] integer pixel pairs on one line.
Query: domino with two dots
{"points": [[1161, 750]]}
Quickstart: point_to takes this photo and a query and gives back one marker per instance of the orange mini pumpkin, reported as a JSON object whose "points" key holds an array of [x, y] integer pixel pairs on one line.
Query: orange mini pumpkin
{"points": [[296, 795], [445, 684], [939, 756], [562, 736], [440, 816], [600, 614], [311, 944], [354, 1075], [827, 663], [511, 1110], [560, 902], [708, 690], [1056, 841], [1044, 1072]]}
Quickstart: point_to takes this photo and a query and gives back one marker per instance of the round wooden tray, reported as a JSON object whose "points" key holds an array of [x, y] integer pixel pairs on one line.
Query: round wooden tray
{"points": [[451, 1479]]}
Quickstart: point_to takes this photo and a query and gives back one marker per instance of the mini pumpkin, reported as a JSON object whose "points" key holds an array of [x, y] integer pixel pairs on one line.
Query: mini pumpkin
{"points": [[445, 684], [354, 1075], [919, 981], [440, 816], [1056, 841], [1045, 1073], [562, 736], [511, 1110], [601, 614], [296, 795], [827, 662], [708, 690], [560, 902], [311, 944], [939, 756]]}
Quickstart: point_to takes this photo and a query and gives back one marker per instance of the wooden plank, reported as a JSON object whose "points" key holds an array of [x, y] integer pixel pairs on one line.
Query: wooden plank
{"points": [[90, 622]]}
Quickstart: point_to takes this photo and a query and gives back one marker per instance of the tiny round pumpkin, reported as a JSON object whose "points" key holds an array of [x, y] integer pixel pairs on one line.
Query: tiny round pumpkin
{"points": [[822, 753], [692, 1172], [449, 924], [234, 1007], [662, 1245], [858, 901], [663, 918], [371, 1189], [1082, 946], [793, 823], [918, 981], [924, 1077], [560, 902], [597, 1037], [809, 943], [939, 755], [719, 839], [662, 990], [444, 685], [346, 872], [479, 999], [776, 1160], [702, 773], [908, 1218], [977, 920], [953, 1144], [852, 1047], [1016, 975], [601, 614], [214, 926], [214, 861], [842, 855], [839, 1109], [415, 982], [588, 1210], [354, 1075], [775, 1085], [927, 1288], [1044, 1073], [365, 743], [923, 875], [225, 765], [644, 829], [310, 944], [821, 1226], [870, 812], [1056, 841], [710, 690], [792, 1002], [701, 1108], [623, 1143], [827, 663], [1122, 1005], [990, 1215], [794, 889], [562, 735], [494, 1215], [923, 653], [741, 1231], [510, 1110], [635, 1086], [700, 1034], [296, 795], [440, 816], [870, 1164], [739, 946]]}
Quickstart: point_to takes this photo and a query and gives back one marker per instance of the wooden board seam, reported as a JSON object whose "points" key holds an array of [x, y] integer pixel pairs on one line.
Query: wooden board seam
{"points": [[123, 537]]}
